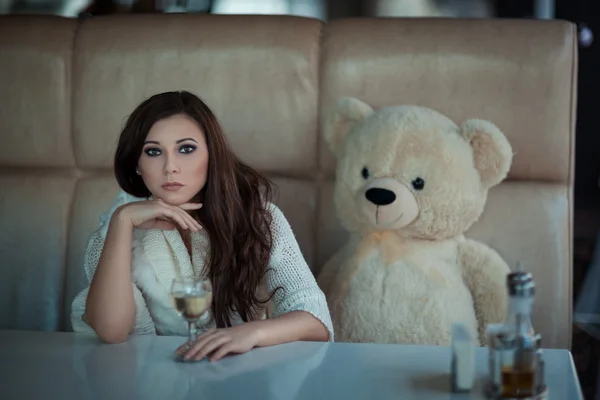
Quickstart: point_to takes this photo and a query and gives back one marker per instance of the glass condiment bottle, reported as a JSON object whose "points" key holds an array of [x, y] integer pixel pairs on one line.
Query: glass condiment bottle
{"points": [[519, 353]]}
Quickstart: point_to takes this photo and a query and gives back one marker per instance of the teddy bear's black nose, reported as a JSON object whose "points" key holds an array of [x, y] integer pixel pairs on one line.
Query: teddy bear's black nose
{"points": [[380, 197]]}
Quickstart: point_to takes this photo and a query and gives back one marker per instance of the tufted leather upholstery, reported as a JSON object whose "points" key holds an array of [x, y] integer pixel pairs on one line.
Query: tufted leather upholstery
{"points": [[66, 87]]}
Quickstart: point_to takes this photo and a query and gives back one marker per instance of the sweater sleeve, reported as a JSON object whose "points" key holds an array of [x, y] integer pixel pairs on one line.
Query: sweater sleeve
{"points": [[143, 322], [289, 271]]}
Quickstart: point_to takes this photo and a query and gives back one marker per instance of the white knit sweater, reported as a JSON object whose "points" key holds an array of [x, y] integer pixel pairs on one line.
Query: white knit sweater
{"points": [[158, 256]]}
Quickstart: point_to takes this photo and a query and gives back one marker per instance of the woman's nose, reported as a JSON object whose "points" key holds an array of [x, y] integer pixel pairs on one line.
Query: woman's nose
{"points": [[170, 166]]}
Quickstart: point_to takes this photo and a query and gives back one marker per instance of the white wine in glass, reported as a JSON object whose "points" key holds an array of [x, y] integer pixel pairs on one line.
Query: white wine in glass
{"points": [[192, 297]]}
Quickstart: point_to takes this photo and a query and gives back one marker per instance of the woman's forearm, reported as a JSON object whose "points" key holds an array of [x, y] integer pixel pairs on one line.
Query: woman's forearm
{"points": [[291, 327], [110, 306]]}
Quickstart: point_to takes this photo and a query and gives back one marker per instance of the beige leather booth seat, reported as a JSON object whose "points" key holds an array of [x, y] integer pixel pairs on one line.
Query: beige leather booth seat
{"points": [[66, 87]]}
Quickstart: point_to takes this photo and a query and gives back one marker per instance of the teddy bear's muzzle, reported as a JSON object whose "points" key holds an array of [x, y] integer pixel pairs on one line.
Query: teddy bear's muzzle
{"points": [[387, 203]]}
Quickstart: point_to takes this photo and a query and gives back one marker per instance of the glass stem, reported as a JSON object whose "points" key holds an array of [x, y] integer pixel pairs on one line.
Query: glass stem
{"points": [[191, 333]]}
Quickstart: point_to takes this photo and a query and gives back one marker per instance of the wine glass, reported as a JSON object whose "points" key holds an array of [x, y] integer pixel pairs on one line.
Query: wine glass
{"points": [[192, 297]]}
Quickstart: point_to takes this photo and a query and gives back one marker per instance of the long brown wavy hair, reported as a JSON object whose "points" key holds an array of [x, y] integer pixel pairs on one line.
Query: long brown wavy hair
{"points": [[234, 199]]}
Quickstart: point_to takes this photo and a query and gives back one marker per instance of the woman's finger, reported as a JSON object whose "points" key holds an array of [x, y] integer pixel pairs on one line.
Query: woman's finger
{"points": [[181, 349], [175, 216], [190, 221], [222, 352], [209, 347], [191, 206], [200, 343], [200, 340]]}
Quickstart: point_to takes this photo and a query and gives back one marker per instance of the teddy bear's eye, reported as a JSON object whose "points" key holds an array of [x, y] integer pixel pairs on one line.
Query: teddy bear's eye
{"points": [[365, 173], [418, 183]]}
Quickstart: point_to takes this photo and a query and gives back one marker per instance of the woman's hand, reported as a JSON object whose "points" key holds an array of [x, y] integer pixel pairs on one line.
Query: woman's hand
{"points": [[217, 343], [158, 214]]}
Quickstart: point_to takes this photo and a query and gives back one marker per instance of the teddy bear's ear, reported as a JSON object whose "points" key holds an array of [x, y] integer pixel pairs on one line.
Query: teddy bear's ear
{"points": [[347, 112], [491, 150]]}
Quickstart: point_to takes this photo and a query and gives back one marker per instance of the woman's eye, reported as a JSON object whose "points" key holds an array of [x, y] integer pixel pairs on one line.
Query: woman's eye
{"points": [[152, 152], [187, 148]]}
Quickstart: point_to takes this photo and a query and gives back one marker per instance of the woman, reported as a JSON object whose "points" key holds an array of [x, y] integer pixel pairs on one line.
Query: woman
{"points": [[189, 205]]}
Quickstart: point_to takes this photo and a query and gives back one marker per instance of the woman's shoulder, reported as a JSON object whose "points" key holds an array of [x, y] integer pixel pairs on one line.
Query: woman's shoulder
{"points": [[277, 216], [280, 226], [272, 208]]}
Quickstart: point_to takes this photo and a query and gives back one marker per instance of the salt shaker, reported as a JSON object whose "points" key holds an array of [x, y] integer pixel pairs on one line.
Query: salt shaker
{"points": [[462, 370]]}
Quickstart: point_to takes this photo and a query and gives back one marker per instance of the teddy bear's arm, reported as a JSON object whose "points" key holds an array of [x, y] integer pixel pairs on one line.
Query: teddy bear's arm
{"points": [[484, 272], [330, 270]]}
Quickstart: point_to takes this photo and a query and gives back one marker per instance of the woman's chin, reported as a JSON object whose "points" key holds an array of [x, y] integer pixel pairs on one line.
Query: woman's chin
{"points": [[175, 198]]}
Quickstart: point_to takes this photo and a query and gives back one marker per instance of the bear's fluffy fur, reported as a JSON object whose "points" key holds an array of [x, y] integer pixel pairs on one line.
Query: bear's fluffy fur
{"points": [[409, 183]]}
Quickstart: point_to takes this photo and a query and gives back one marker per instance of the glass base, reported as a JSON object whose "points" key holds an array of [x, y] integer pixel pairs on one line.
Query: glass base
{"points": [[491, 392]]}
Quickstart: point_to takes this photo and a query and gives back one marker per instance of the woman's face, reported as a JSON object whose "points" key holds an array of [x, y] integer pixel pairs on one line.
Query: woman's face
{"points": [[174, 160]]}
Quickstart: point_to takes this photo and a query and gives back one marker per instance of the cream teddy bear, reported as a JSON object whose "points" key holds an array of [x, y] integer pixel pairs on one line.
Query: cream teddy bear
{"points": [[409, 183]]}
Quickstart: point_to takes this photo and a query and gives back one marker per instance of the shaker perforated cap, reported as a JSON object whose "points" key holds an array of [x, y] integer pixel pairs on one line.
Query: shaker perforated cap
{"points": [[520, 283]]}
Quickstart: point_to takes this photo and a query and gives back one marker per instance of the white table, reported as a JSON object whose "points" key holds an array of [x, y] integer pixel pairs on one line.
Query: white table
{"points": [[38, 365]]}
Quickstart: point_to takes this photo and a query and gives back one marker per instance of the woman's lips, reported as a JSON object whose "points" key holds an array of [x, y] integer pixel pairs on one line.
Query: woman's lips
{"points": [[172, 186]]}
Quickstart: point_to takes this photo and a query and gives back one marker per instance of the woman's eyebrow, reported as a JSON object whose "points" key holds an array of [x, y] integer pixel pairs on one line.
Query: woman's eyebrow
{"points": [[183, 140]]}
